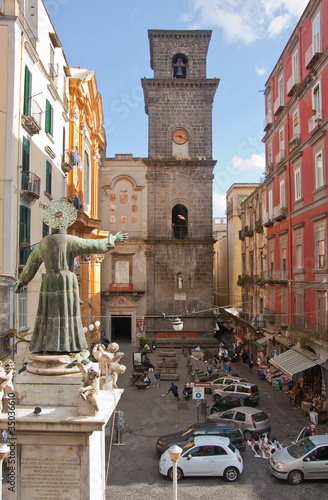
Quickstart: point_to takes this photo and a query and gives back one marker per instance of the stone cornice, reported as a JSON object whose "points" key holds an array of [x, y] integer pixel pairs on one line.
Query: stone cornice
{"points": [[183, 84]]}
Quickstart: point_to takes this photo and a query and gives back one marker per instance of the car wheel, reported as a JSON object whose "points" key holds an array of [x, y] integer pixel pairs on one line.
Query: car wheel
{"points": [[248, 435], [295, 477], [179, 474], [231, 474], [217, 398]]}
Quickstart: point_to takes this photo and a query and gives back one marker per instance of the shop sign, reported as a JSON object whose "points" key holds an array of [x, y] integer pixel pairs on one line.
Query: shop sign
{"points": [[120, 287], [176, 335]]}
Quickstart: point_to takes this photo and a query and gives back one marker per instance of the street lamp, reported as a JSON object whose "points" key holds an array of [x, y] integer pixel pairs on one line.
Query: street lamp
{"points": [[175, 452], [4, 452], [177, 324]]}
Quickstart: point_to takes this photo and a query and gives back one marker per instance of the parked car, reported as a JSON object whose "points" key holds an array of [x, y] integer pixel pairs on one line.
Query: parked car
{"points": [[306, 459], [252, 422], [230, 431], [238, 388], [224, 381], [232, 401], [205, 456]]}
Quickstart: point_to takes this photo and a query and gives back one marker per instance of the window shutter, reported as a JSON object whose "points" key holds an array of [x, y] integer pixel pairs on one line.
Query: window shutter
{"points": [[27, 92]]}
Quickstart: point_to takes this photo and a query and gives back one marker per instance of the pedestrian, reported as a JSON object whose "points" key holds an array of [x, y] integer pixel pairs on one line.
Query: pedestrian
{"points": [[146, 380], [157, 376], [174, 390], [250, 365], [229, 365]]}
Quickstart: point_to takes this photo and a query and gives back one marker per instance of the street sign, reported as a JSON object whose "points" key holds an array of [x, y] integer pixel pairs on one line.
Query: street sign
{"points": [[206, 385], [198, 393]]}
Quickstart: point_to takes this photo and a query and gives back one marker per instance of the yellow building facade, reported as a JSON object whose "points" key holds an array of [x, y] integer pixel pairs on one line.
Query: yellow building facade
{"points": [[87, 143]]}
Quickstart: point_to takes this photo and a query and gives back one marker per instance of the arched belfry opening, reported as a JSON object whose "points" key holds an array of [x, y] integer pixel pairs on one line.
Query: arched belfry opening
{"points": [[180, 222], [179, 66]]}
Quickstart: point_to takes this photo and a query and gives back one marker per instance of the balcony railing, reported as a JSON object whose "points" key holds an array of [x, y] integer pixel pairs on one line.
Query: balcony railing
{"points": [[268, 121], [278, 105], [280, 156], [315, 121], [269, 168], [292, 85], [275, 275], [313, 53], [268, 219], [279, 213], [31, 119], [31, 183], [294, 142]]}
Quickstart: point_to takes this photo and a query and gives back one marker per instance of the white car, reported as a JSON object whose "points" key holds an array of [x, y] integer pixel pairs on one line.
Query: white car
{"points": [[205, 456], [222, 382]]}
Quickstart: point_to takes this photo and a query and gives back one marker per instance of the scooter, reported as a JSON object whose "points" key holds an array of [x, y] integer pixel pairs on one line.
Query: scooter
{"points": [[187, 391]]}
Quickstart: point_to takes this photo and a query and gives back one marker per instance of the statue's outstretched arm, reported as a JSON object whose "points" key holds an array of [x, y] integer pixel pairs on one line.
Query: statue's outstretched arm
{"points": [[32, 265]]}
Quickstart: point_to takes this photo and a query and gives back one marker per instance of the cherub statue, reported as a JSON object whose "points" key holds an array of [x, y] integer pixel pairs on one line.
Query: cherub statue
{"points": [[89, 391], [109, 363], [6, 383]]}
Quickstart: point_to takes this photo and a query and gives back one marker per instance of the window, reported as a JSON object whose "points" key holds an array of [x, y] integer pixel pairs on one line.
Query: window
{"points": [[52, 63], [122, 271], [48, 177], [299, 256], [282, 194], [270, 204], [281, 89], [295, 66], [269, 104], [271, 264], [296, 123], [251, 264], [298, 184], [270, 161], [321, 312], [49, 118], [318, 170], [316, 37], [316, 100], [86, 173], [180, 222], [284, 263], [25, 163], [321, 254], [27, 92], [24, 234], [22, 309], [179, 66], [281, 140]]}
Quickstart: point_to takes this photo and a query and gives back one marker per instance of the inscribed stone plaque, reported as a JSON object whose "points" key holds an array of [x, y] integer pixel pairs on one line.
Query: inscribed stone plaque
{"points": [[50, 473]]}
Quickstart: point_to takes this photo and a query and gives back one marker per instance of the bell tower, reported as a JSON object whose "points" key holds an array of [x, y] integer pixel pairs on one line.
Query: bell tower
{"points": [[178, 102]]}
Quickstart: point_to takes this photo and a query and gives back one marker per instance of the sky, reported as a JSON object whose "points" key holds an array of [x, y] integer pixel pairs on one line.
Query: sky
{"points": [[248, 36]]}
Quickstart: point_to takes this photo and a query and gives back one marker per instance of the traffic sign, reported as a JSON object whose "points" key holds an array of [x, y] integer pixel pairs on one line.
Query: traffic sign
{"points": [[207, 385], [198, 393]]}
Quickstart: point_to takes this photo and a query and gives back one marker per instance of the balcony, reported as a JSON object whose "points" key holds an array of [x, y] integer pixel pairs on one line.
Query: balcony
{"points": [[31, 121], [278, 105], [30, 188], [280, 157], [268, 121], [294, 142], [279, 213], [269, 169], [275, 276], [268, 220], [315, 122], [68, 161], [313, 53], [292, 85]]}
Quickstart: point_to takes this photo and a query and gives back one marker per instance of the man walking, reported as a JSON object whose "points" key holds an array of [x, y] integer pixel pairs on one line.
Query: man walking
{"points": [[174, 390], [157, 376]]}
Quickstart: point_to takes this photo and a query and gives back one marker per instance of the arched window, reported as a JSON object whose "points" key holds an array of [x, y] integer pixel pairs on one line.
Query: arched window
{"points": [[180, 222], [179, 66]]}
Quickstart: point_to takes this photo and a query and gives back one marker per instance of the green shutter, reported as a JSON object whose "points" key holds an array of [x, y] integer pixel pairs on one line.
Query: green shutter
{"points": [[27, 92], [48, 177], [24, 234], [25, 162], [49, 118], [45, 230]]}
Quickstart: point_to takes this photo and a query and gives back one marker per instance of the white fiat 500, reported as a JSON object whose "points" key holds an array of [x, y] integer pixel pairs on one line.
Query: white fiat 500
{"points": [[205, 456]]}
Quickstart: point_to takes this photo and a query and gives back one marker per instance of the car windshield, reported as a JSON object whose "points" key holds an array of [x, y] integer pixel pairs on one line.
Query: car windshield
{"points": [[260, 417], [301, 448], [187, 432], [188, 444], [232, 448]]}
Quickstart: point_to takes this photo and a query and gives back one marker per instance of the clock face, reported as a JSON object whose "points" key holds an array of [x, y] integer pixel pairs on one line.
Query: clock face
{"points": [[180, 136]]}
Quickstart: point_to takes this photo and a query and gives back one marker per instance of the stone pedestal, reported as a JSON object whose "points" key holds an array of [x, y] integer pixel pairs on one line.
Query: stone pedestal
{"points": [[56, 454]]}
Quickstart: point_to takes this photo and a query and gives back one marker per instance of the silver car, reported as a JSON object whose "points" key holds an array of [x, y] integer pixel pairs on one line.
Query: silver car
{"points": [[306, 459], [252, 422], [238, 388], [222, 382]]}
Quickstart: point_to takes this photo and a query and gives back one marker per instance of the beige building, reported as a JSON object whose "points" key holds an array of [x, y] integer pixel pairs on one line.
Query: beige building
{"points": [[123, 207], [235, 196], [33, 132], [221, 287]]}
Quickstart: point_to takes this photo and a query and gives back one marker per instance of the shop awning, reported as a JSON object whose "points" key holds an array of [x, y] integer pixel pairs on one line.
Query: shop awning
{"points": [[295, 361], [263, 340], [239, 338], [234, 313]]}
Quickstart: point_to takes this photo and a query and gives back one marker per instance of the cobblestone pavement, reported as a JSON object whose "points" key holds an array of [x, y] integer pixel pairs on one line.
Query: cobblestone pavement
{"points": [[133, 469]]}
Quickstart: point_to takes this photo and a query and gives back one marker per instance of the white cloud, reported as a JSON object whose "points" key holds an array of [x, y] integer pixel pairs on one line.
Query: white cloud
{"points": [[244, 21], [278, 25], [260, 71], [256, 161], [219, 204]]}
